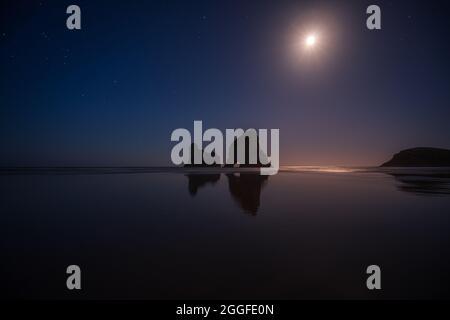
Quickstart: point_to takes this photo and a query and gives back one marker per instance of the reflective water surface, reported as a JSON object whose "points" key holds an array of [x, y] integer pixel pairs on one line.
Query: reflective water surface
{"points": [[308, 232]]}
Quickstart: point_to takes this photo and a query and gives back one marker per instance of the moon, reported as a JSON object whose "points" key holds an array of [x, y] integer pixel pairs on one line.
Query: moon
{"points": [[310, 41], [309, 45]]}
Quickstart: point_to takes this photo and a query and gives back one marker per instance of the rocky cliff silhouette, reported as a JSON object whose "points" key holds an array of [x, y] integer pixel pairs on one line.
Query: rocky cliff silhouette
{"points": [[420, 157]]}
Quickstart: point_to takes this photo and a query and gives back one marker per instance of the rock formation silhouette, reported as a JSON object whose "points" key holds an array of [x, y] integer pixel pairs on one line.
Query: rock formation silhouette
{"points": [[261, 156], [420, 157], [195, 148]]}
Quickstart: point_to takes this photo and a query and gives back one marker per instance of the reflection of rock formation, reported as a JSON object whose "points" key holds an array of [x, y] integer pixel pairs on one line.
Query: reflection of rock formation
{"points": [[246, 190], [427, 184], [196, 181]]}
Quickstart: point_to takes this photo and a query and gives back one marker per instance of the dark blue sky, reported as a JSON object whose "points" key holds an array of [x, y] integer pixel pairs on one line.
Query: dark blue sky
{"points": [[111, 93]]}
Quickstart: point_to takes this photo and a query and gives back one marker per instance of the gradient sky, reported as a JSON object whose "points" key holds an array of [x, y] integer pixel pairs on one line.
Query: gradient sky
{"points": [[111, 93]]}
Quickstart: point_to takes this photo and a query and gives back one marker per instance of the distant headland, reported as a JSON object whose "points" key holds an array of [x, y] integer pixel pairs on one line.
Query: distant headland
{"points": [[420, 157]]}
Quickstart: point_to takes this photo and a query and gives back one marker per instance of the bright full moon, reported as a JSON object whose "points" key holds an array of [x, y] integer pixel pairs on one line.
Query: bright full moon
{"points": [[310, 41]]}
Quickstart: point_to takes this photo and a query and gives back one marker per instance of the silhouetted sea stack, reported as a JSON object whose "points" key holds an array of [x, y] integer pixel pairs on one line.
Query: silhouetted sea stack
{"points": [[203, 164], [420, 157], [246, 142]]}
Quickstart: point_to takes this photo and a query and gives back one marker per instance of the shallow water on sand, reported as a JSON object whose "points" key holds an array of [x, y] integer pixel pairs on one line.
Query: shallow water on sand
{"points": [[307, 232]]}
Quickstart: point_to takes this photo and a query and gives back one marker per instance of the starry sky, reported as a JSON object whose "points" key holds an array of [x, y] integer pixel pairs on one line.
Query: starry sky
{"points": [[111, 93]]}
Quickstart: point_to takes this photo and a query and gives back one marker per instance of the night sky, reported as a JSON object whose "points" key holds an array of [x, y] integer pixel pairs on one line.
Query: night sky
{"points": [[112, 92]]}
